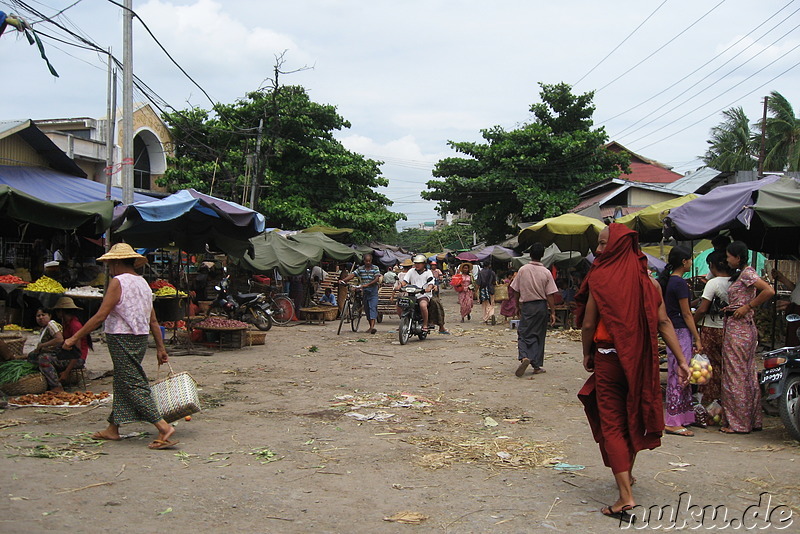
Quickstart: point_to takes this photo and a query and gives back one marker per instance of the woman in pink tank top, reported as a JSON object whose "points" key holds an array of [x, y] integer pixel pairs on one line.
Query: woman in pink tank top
{"points": [[127, 310]]}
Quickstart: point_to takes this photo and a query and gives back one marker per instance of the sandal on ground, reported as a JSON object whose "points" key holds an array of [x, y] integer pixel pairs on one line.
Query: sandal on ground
{"points": [[158, 444], [728, 430], [680, 432], [523, 364], [445, 332], [100, 436], [621, 514], [538, 370], [373, 331]]}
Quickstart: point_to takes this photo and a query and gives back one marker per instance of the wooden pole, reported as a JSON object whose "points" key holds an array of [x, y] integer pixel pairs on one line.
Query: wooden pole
{"points": [[762, 152]]}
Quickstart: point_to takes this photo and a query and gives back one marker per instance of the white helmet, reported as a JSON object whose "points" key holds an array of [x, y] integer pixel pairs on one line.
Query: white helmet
{"points": [[420, 258]]}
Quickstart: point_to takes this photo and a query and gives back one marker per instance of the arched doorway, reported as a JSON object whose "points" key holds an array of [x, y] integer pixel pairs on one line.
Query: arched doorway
{"points": [[148, 158]]}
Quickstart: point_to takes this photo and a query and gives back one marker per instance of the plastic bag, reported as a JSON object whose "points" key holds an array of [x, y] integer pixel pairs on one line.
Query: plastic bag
{"points": [[714, 411], [701, 370], [456, 282], [700, 413]]}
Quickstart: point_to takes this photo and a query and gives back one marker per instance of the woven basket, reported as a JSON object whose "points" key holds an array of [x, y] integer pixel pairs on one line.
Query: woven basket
{"points": [[15, 343], [32, 384], [176, 395], [331, 313], [500, 292], [256, 338]]}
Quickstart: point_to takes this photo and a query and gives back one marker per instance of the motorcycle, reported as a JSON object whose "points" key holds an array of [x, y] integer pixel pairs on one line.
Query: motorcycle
{"points": [[247, 307], [410, 314], [780, 385]]}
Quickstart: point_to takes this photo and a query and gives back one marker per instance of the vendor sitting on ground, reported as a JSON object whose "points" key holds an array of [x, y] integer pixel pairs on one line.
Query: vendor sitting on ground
{"points": [[57, 371], [328, 299], [51, 338]]}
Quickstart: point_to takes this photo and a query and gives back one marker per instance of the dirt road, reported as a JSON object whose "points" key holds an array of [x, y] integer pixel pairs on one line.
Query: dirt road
{"points": [[315, 432]]}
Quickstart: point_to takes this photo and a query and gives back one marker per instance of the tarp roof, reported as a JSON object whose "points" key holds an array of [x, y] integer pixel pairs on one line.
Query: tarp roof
{"points": [[21, 207], [56, 187], [333, 249], [273, 251]]}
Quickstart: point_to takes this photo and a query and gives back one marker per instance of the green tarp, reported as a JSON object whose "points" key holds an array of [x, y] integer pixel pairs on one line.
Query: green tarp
{"points": [[778, 204], [332, 249], [94, 217], [273, 251]]}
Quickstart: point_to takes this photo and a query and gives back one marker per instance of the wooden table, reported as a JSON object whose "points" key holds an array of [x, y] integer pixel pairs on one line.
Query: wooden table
{"points": [[317, 313]]}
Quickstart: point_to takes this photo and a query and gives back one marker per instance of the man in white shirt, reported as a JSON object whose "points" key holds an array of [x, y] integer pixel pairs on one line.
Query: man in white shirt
{"points": [[421, 277]]}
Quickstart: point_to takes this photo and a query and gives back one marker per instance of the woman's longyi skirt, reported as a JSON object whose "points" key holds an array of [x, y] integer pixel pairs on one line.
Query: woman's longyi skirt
{"points": [[133, 400]]}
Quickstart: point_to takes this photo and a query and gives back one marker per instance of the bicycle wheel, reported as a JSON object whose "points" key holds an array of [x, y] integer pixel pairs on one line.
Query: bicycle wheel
{"points": [[356, 311], [283, 310], [345, 315], [405, 329]]}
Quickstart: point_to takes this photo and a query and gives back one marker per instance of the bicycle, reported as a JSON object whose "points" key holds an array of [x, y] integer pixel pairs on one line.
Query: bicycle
{"points": [[352, 309]]}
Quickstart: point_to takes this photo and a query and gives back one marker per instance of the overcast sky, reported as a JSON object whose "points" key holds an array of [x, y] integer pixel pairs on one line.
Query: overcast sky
{"points": [[411, 75]]}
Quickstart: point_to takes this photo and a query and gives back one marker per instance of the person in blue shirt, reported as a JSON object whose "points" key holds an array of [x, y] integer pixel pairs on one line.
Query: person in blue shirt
{"points": [[328, 299], [370, 277]]}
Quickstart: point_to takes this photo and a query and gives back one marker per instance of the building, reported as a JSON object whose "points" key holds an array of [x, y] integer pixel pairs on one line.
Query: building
{"points": [[83, 139]]}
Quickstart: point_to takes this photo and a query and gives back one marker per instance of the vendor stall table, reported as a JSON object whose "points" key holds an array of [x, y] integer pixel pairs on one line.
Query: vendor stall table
{"points": [[319, 314]]}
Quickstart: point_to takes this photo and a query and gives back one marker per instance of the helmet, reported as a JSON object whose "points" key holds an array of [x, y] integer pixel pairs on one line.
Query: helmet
{"points": [[420, 258]]}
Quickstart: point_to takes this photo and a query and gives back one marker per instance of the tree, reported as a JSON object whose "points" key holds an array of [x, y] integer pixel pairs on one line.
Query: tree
{"points": [[529, 173], [783, 135], [308, 176], [732, 145]]}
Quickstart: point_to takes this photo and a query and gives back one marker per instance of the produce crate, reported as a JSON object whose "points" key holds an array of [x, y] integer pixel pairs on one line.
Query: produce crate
{"points": [[15, 343], [226, 339], [255, 337]]}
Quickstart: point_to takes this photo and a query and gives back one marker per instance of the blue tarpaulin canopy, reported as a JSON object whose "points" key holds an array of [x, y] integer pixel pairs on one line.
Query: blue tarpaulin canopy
{"points": [[191, 220], [58, 187]]}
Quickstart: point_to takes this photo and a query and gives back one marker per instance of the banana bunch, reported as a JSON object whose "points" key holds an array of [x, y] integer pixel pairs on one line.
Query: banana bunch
{"points": [[167, 291], [45, 284]]}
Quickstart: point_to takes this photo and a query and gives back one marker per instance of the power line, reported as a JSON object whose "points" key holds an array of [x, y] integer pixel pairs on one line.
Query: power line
{"points": [[708, 62], [621, 43], [662, 46]]}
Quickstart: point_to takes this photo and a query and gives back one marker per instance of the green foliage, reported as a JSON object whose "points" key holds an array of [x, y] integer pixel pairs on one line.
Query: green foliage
{"points": [[306, 176], [735, 144], [732, 144], [529, 173]]}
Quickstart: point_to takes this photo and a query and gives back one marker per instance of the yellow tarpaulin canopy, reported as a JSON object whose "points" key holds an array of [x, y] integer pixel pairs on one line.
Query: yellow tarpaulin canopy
{"points": [[569, 231], [650, 220]]}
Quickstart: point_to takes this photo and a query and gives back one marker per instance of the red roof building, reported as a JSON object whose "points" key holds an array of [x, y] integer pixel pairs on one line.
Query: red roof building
{"points": [[644, 169]]}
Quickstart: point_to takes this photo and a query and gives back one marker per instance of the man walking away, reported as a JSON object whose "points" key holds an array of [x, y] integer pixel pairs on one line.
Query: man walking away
{"points": [[535, 288]]}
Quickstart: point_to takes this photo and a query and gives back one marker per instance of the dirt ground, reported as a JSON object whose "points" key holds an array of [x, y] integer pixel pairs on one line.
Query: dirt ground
{"points": [[315, 432]]}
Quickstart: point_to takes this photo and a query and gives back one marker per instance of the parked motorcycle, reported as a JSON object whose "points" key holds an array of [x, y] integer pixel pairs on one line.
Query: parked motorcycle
{"points": [[780, 386], [410, 314], [247, 307]]}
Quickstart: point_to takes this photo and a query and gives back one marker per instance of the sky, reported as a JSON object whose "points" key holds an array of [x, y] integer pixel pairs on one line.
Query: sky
{"points": [[412, 75]]}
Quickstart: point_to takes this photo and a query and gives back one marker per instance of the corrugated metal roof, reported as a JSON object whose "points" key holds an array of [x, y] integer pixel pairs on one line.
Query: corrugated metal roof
{"points": [[41, 144], [692, 182]]}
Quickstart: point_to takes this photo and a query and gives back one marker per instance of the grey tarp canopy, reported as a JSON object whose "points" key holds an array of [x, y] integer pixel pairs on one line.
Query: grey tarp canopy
{"points": [[495, 252], [273, 251], [773, 223], [331, 248]]}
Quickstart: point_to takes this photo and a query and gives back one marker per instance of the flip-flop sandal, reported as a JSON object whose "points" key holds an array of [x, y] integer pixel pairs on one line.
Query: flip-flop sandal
{"points": [[727, 430], [538, 371], [158, 444], [622, 514]]}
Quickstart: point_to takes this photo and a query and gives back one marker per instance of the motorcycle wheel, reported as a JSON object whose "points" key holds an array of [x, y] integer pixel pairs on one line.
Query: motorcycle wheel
{"points": [[345, 316], [788, 406], [422, 335], [356, 311], [283, 311], [405, 329], [262, 320]]}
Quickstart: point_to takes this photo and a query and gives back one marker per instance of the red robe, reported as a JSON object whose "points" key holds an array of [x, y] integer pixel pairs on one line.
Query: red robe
{"points": [[627, 302]]}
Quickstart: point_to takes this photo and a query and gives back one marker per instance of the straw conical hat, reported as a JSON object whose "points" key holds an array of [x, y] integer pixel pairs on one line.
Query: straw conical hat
{"points": [[123, 251]]}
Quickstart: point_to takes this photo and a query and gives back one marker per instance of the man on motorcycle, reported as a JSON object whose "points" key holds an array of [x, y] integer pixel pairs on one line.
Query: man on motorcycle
{"points": [[421, 277]]}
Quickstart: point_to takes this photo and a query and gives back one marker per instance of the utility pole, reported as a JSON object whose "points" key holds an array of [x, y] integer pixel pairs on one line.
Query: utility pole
{"points": [[762, 153], [255, 182], [111, 119], [127, 103]]}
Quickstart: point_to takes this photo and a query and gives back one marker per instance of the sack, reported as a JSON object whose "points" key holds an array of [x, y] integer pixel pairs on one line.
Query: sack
{"points": [[176, 395], [501, 292], [701, 369], [456, 282]]}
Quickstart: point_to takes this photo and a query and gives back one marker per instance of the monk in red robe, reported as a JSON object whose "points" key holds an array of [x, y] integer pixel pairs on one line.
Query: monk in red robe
{"points": [[622, 399]]}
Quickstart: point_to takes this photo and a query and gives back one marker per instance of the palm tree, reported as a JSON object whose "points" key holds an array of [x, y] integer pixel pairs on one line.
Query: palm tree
{"points": [[732, 144], [783, 135]]}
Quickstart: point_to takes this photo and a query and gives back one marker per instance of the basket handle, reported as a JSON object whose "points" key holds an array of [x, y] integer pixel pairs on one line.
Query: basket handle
{"points": [[171, 371]]}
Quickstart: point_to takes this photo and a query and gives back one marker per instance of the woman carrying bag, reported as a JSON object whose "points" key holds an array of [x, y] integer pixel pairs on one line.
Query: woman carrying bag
{"points": [[127, 310]]}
